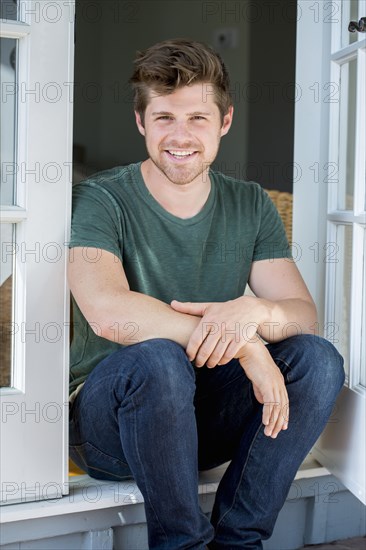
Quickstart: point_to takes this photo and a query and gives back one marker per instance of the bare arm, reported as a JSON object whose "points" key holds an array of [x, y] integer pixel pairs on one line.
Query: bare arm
{"points": [[102, 293], [288, 305], [268, 386], [281, 308]]}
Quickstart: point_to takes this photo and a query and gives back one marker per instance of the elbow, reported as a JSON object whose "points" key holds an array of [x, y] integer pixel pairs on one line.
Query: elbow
{"points": [[101, 326], [121, 332], [309, 324], [313, 314]]}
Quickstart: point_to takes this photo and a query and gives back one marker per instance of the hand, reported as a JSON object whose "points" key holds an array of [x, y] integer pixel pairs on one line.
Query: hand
{"points": [[224, 329], [268, 385]]}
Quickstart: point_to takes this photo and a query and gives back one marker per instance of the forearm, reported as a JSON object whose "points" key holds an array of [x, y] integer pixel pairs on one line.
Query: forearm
{"points": [[226, 327], [132, 317], [282, 306], [268, 385], [284, 318]]}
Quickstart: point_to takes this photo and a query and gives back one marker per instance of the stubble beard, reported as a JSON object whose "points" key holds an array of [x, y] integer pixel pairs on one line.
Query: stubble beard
{"points": [[183, 175]]}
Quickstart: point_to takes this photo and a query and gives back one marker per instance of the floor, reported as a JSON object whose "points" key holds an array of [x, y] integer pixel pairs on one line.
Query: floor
{"points": [[357, 543]]}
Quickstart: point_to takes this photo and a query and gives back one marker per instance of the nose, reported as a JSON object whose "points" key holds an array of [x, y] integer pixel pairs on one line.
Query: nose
{"points": [[180, 131]]}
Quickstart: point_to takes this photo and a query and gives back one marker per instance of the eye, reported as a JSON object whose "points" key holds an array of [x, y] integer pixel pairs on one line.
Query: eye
{"points": [[198, 117], [164, 117]]}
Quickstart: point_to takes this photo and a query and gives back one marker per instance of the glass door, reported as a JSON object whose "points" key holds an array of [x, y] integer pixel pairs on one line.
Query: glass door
{"points": [[344, 446], [330, 213], [37, 41]]}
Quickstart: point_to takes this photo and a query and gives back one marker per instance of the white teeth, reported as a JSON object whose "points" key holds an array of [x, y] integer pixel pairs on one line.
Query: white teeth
{"points": [[181, 153]]}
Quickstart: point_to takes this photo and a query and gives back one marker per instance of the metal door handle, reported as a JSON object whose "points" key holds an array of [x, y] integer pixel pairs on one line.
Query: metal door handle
{"points": [[359, 27]]}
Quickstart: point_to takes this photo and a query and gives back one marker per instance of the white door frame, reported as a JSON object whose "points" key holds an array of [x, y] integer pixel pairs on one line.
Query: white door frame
{"points": [[34, 423], [341, 448]]}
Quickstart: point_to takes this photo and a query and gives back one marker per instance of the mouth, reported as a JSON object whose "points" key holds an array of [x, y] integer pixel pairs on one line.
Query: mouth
{"points": [[181, 155]]}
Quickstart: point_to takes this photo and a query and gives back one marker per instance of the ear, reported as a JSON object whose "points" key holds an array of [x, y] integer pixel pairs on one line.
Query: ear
{"points": [[228, 118], [140, 126]]}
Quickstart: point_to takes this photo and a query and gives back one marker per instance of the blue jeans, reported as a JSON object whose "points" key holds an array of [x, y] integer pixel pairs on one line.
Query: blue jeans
{"points": [[146, 412]]}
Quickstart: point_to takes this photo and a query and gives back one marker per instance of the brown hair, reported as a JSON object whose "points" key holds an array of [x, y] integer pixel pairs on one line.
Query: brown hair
{"points": [[173, 64]]}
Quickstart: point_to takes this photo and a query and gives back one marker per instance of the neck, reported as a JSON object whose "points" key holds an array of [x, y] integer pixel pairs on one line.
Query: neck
{"points": [[181, 200]]}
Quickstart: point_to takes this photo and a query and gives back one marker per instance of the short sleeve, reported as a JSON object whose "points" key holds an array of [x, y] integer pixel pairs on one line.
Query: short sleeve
{"points": [[271, 239], [96, 219]]}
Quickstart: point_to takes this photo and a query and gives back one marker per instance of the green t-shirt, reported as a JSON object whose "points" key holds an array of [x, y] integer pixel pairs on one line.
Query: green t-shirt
{"points": [[201, 259]]}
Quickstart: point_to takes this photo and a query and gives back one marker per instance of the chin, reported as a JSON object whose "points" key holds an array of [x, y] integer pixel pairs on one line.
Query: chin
{"points": [[182, 178], [185, 175]]}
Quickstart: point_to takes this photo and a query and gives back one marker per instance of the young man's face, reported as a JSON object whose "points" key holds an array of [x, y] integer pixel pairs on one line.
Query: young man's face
{"points": [[182, 132]]}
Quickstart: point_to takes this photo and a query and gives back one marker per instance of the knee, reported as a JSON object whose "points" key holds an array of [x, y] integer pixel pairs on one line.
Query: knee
{"points": [[324, 360], [162, 366], [320, 363]]}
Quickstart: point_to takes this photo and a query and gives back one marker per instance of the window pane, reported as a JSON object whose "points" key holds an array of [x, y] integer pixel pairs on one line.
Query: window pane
{"points": [[349, 13], [8, 78], [342, 299], [8, 9], [6, 299], [347, 133]]}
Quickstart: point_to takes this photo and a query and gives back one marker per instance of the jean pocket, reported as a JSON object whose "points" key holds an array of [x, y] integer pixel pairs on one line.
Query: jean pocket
{"points": [[98, 464]]}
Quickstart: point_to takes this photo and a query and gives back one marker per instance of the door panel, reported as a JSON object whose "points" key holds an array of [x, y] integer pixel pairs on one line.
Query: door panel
{"points": [[335, 210], [35, 213]]}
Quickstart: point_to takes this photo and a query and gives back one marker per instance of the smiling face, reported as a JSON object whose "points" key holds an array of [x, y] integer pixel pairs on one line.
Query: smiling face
{"points": [[182, 132]]}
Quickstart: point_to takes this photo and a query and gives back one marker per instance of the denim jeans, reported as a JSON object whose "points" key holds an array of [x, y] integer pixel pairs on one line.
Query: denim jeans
{"points": [[146, 412]]}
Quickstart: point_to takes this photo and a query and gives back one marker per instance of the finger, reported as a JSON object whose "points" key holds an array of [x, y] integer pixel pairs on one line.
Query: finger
{"points": [[273, 412], [192, 308], [286, 415], [269, 415], [279, 422], [198, 336], [207, 349], [231, 351], [283, 418], [218, 355]]}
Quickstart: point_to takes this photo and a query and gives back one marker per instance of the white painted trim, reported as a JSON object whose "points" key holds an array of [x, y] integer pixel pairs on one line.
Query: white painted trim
{"points": [[13, 29], [336, 35], [338, 190], [348, 52], [356, 361], [12, 214], [311, 149], [360, 152], [88, 494], [341, 450], [341, 216], [333, 308], [334, 131]]}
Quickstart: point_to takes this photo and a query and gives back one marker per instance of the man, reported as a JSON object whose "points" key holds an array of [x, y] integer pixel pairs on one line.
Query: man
{"points": [[170, 372]]}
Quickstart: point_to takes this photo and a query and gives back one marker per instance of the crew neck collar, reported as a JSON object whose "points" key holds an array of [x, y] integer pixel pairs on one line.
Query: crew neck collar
{"points": [[156, 206]]}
